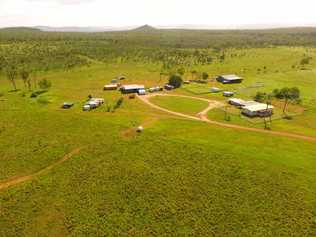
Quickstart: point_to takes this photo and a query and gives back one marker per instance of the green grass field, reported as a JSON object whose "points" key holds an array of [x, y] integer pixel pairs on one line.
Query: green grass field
{"points": [[180, 104], [178, 177]]}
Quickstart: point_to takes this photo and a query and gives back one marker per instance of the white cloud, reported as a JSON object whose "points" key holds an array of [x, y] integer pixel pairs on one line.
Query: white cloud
{"points": [[64, 1], [155, 12]]}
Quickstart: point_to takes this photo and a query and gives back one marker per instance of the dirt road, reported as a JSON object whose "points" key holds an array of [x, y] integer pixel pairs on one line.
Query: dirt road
{"points": [[12, 182], [202, 116]]}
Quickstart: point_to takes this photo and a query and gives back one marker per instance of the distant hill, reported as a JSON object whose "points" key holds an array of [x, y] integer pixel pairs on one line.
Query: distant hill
{"points": [[145, 28], [82, 29], [20, 29]]}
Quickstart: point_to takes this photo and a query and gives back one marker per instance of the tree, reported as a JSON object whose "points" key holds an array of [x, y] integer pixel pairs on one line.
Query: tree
{"points": [[287, 94], [25, 75], [204, 75], [194, 73], [11, 73], [260, 96], [175, 80], [305, 61], [181, 71], [44, 84], [263, 97]]}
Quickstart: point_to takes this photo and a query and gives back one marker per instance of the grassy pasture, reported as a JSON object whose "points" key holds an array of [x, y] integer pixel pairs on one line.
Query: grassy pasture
{"points": [[180, 104], [178, 178]]}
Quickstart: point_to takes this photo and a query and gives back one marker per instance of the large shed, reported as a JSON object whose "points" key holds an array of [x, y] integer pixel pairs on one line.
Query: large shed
{"points": [[127, 89], [229, 79]]}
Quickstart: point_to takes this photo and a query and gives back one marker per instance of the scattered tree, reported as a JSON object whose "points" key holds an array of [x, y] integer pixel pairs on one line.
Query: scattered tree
{"points": [[263, 97], [260, 96], [287, 94], [175, 80], [194, 73], [204, 75], [11, 73], [305, 61], [25, 75], [181, 71]]}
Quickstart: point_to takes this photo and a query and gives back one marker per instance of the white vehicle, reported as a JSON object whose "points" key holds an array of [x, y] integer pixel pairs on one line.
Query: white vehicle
{"points": [[93, 104], [86, 108], [98, 101], [141, 92]]}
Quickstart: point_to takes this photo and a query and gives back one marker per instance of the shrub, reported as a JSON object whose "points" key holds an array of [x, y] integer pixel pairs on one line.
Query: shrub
{"points": [[260, 96], [118, 104], [44, 84]]}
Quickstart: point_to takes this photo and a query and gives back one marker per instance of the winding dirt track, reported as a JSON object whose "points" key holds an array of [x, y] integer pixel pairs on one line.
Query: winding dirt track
{"points": [[202, 116], [15, 181]]}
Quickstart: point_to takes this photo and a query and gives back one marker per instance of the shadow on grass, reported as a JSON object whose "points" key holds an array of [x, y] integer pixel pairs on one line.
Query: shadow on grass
{"points": [[13, 91], [37, 93]]}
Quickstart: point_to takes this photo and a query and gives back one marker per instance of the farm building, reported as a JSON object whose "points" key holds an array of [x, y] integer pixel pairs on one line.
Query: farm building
{"points": [[241, 103], [229, 79], [258, 110], [110, 87], [127, 89]]}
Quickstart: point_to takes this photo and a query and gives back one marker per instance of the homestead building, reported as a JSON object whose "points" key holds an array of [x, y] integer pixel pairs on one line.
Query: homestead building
{"points": [[258, 110]]}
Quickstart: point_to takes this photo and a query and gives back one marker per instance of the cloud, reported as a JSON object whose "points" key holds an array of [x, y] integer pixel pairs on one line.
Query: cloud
{"points": [[65, 2]]}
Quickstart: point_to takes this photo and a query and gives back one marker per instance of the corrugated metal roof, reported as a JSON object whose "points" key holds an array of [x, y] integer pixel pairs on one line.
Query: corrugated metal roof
{"points": [[231, 77], [258, 107], [133, 87], [111, 86]]}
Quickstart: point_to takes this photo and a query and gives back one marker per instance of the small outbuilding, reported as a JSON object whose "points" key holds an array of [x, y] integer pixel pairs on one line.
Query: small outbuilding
{"points": [[110, 87], [127, 89], [155, 89], [229, 79]]}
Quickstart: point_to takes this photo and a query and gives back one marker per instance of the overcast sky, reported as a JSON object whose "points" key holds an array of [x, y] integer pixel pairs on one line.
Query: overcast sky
{"points": [[156, 12]]}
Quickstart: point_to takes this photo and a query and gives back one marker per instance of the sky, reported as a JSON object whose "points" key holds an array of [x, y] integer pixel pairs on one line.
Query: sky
{"points": [[118, 13]]}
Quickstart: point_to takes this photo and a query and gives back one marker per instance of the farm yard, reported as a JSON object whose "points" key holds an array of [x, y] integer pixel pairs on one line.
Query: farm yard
{"points": [[200, 171]]}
